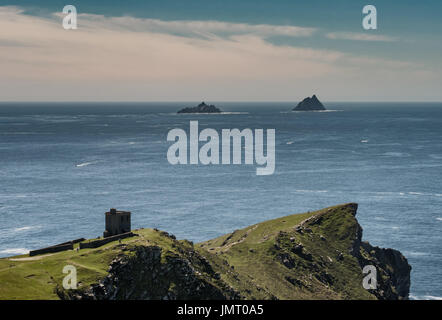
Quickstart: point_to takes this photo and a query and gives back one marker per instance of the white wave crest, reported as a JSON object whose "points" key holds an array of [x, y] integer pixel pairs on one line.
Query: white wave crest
{"points": [[14, 251], [23, 228], [426, 297], [84, 164], [311, 191]]}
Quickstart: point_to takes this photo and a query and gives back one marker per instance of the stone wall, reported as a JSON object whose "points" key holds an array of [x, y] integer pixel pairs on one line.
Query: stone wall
{"points": [[69, 245], [99, 243], [63, 247]]}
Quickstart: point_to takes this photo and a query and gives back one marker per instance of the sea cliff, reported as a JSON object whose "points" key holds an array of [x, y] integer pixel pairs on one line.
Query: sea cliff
{"points": [[315, 255]]}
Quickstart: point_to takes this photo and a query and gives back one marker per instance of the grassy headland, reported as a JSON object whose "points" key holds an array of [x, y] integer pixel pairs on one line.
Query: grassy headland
{"points": [[315, 255]]}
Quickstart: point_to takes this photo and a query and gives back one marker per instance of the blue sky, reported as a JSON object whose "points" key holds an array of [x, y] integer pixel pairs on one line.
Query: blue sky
{"points": [[410, 33]]}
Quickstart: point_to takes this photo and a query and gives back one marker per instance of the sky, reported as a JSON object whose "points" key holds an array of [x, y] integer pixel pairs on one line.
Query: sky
{"points": [[229, 50]]}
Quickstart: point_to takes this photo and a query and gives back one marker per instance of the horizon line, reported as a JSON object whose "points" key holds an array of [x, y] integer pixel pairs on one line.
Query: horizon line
{"points": [[219, 101]]}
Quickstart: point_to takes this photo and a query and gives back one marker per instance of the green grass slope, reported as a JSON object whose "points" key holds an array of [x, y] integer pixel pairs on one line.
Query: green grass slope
{"points": [[315, 255], [291, 258]]}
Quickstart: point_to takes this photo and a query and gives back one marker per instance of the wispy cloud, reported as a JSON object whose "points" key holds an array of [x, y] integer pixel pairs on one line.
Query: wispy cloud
{"points": [[355, 36], [193, 28], [130, 48], [125, 58]]}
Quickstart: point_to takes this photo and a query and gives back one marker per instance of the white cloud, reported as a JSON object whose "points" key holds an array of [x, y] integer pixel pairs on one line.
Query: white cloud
{"points": [[355, 36], [126, 58], [126, 48], [193, 28]]}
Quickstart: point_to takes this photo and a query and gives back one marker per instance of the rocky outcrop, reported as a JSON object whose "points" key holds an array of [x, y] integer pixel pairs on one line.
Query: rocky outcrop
{"points": [[148, 273], [392, 268], [310, 104], [201, 108], [317, 255], [393, 271]]}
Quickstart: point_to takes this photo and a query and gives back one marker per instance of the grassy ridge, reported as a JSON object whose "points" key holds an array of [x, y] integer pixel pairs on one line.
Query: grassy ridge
{"points": [[301, 256], [323, 269], [24, 277]]}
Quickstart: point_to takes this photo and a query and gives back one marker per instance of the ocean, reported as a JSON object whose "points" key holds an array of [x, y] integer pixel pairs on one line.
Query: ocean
{"points": [[62, 165]]}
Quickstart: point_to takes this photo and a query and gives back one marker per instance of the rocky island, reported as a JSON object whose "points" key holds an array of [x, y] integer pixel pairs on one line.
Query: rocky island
{"points": [[314, 255], [201, 108], [310, 104]]}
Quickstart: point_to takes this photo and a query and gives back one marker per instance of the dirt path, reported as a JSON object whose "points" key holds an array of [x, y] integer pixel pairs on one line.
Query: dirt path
{"points": [[39, 257]]}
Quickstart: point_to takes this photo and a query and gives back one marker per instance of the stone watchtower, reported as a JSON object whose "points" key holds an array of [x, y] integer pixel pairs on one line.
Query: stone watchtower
{"points": [[117, 222]]}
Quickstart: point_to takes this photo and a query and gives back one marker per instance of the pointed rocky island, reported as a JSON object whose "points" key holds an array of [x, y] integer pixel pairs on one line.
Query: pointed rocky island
{"points": [[201, 108], [310, 104]]}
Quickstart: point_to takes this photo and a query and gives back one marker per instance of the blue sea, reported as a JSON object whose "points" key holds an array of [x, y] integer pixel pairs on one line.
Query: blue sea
{"points": [[62, 165]]}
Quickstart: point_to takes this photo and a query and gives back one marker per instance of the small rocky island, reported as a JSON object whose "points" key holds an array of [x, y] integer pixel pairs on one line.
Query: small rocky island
{"points": [[310, 104], [201, 108]]}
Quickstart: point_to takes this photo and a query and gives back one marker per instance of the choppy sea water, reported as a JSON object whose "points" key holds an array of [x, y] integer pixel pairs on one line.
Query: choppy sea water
{"points": [[63, 165]]}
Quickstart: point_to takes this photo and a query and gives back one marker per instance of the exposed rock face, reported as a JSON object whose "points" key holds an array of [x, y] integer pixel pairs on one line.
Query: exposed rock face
{"points": [[310, 104], [318, 255], [393, 270], [201, 108], [146, 273]]}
